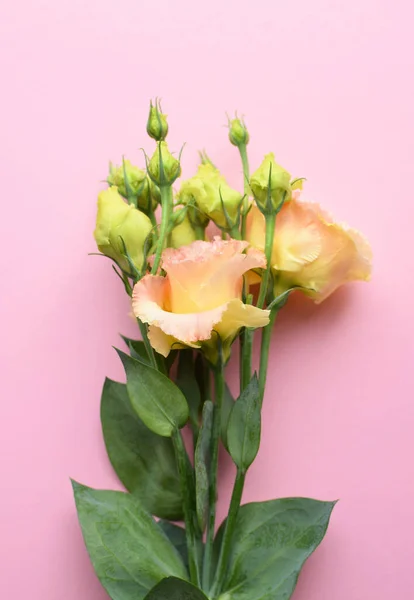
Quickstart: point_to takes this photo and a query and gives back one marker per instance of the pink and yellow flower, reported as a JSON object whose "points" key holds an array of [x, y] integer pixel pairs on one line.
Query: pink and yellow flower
{"points": [[310, 250], [199, 295]]}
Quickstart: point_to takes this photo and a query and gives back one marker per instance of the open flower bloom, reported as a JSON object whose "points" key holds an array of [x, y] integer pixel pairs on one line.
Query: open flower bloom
{"points": [[310, 250], [200, 295]]}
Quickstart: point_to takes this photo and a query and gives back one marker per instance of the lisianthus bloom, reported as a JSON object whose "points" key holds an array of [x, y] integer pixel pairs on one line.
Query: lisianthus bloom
{"points": [[210, 191], [119, 223], [200, 294], [310, 250]]}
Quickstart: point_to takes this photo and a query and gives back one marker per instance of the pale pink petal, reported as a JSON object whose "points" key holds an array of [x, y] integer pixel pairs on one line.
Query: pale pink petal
{"points": [[203, 275]]}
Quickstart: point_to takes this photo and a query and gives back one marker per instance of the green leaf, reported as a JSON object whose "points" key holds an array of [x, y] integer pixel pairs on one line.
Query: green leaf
{"points": [[202, 464], [128, 550], [228, 402], [272, 540], [177, 537], [243, 431], [280, 301], [175, 589], [144, 462], [187, 382], [137, 349], [158, 402]]}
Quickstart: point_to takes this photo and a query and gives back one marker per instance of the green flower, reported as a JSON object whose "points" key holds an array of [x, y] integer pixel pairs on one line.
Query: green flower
{"points": [[132, 183], [238, 134], [119, 223], [210, 191], [270, 184], [157, 126], [163, 168]]}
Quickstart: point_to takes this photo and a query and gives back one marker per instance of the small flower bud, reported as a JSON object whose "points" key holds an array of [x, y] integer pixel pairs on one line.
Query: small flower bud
{"points": [[238, 134], [163, 168], [120, 226], [270, 185], [157, 126], [183, 232], [133, 184]]}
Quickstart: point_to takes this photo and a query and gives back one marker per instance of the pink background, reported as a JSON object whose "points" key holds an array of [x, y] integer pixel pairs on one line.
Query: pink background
{"points": [[327, 85]]}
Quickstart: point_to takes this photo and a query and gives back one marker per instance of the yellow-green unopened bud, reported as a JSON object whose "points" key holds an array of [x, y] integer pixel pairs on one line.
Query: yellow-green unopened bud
{"points": [[270, 181], [209, 188], [163, 168], [157, 126], [183, 233], [238, 134], [116, 221], [132, 183]]}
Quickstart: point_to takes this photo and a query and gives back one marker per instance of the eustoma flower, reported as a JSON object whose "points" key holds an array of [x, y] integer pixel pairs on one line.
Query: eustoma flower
{"points": [[310, 250], [200, 297]]}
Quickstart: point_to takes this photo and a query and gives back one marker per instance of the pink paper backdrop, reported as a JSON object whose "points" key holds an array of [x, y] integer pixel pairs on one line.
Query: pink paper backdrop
{"points": [[327, 85]]}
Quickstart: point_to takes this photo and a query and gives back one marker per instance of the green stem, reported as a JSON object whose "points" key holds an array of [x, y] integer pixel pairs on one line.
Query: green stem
{"points": [[215, 439], [270, 230], [200, 232], [264, 353], [187, 487], [228, 533], [246, 175], [150, 350], [166, 207]]}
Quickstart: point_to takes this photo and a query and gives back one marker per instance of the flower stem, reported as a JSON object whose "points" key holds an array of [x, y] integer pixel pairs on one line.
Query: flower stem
{"points": [[215, 439], [228, 533], [270, 230], [200, 232], [166, 207], [188, 492], [246, 175], [264, 353]]}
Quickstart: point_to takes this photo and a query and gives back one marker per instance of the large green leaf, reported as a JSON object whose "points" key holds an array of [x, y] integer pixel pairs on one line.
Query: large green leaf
{"points": [[243, 430], [202, 464], [175, 589], [158, 402], [129, 551], [144, 461], [177, 537], [272, 541]]}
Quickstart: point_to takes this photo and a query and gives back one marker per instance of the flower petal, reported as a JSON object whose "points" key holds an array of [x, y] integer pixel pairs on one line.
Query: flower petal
{"points": [[203, 275], [148, 303]]}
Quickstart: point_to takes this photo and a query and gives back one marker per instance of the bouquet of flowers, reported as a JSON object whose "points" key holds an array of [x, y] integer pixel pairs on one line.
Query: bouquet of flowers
{"points": [[205, 266]]}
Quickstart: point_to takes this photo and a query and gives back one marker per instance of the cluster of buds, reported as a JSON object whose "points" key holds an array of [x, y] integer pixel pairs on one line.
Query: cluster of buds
{"points": [[129, 229]]}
